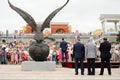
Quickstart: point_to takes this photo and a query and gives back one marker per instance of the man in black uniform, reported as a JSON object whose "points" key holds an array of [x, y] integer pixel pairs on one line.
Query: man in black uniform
{"points": [[105, 48]]}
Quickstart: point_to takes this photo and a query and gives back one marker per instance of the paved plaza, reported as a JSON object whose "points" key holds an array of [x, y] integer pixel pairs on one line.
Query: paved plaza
{"points": [[13, 72]]}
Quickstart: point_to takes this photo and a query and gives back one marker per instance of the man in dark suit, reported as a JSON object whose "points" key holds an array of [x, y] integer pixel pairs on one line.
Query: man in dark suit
{"points": [[105, 48], [78, 55], [63, 46]]}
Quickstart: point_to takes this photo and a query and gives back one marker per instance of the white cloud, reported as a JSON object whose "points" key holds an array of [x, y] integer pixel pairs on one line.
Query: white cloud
{"points": [[79, 13]]}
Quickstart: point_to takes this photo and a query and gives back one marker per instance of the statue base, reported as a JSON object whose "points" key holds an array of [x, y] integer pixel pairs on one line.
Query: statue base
{"points": [[38, 66]]}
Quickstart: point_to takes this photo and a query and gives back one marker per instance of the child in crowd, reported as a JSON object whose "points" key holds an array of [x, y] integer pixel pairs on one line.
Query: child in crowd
{"points": [[59, 57], [16, 57]]}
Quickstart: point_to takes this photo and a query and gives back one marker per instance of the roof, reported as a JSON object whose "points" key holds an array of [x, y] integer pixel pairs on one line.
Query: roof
{"points": [[109, 16]]}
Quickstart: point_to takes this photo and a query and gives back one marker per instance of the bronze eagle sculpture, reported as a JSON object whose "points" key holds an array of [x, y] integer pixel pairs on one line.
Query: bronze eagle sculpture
{"points": [[38, 51]]}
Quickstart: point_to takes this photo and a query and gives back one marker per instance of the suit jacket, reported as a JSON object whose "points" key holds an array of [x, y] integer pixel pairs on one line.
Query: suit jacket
{"points": [[90, 50], [78, 50], [63, 45], [105, 48]]}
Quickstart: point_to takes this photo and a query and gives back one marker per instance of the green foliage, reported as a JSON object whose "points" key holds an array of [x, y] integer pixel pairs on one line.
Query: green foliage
{"points": [[118, 37]]}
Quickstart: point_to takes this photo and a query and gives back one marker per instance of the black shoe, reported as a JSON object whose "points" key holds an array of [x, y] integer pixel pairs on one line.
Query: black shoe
{"points": [[100, 74], [88, 74], [110, 74], [93, 74], [76, 73], [82, 74]]}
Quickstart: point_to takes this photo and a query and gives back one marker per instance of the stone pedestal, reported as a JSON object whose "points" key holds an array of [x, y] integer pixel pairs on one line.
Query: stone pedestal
{"points": [[38, 66]]}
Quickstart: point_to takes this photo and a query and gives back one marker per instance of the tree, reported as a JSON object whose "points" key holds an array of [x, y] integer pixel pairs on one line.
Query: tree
{"points": [[118, 37]]}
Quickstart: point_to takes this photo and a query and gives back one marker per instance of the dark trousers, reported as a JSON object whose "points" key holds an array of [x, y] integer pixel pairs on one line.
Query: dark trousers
{"points": [[81, 65], [53, 57], [71, 57], [107, 62], [91, 65], [63, 55], [4, 59]]}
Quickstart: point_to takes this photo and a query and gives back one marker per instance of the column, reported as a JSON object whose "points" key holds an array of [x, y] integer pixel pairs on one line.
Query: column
{"points": [[103, 26], [119, 24], [115, 26]]}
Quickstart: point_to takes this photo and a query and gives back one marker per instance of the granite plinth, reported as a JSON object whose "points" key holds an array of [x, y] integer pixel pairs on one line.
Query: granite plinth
{"points": [[38, 66]]}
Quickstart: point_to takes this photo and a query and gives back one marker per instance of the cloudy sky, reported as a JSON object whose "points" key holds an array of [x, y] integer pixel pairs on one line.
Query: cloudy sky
{"points": [[82, 15]]}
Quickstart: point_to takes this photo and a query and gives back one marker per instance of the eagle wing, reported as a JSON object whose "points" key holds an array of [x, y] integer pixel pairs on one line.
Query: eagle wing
{"points": [[46, 23], [28, 18]]}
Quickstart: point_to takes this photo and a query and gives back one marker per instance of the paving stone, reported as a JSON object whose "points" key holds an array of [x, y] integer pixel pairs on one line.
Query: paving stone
{"points": [[14, 72]]}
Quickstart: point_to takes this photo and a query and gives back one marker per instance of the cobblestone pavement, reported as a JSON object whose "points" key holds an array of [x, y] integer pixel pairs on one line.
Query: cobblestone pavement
{"points": [[13, 72]]}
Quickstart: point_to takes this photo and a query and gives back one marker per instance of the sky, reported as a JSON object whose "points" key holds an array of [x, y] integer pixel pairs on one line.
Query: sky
{"points": [[82, 15]]}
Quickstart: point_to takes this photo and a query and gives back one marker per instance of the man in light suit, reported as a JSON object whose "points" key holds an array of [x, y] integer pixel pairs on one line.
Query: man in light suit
{"points": [[105, 48], [91, 54], [78, 55]]}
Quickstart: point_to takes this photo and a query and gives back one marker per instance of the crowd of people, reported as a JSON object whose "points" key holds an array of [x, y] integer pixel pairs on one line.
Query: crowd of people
{"points": [[13, 49], [14, 52], [17, 52]]}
